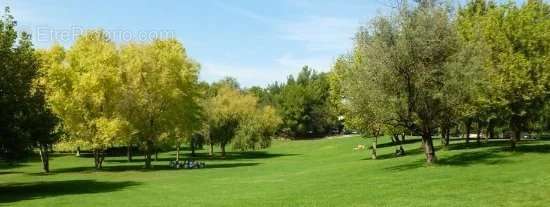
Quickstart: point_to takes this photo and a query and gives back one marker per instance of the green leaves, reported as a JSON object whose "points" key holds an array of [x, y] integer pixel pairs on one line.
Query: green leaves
{"points": [[24, 117], [515, 45]]}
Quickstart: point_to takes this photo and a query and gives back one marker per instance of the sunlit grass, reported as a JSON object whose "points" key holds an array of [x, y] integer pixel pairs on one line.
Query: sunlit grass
{"points": [[326, 172]]}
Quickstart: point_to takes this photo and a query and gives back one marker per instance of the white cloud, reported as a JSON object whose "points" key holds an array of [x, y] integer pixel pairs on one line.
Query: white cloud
{"points": [[246, 75], [321, 33], [319, 63], [278, 70], [244, 12]]}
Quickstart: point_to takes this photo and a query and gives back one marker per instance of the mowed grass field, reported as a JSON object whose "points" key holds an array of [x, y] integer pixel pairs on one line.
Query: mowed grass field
{"points": [[324, 172]]}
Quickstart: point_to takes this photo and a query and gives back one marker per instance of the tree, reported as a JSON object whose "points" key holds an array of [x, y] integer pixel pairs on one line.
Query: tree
{"points": [[83, 86], [257, 129], [304, 104], [227, 109], [403, 61], [25, 120], [367, 108], [516, 63], [160, 81]]}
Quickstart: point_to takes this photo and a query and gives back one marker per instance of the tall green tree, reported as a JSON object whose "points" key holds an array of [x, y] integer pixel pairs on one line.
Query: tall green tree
{"points": [[517, 63], [25, 119], [304, 104], [403, 60]]}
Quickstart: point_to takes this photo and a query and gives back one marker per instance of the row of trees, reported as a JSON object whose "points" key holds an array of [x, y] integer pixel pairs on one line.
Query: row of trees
{"points": [[97, 94], [426, 67]]}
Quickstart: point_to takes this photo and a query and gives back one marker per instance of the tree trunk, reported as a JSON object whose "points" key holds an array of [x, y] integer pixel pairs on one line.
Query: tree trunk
{"points": [[211, 151], [78, 151], [447, 137], [156, 155], [491, 129], [96, 159], [478, 133], [148, 153], [129, 152], [399, 150], [222, 146], [44, 156], [515, 138], [178, 151], [192, 148], [444, 140], [99, 156], [429, 149], [374, 147], [468, 131]]}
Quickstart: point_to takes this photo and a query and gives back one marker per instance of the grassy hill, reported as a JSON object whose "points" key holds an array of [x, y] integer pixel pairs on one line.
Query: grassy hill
{"points": [[325, 172]]}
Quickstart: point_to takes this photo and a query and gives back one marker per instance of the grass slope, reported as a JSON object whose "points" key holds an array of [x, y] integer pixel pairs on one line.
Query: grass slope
{"points": [[323, 172]]}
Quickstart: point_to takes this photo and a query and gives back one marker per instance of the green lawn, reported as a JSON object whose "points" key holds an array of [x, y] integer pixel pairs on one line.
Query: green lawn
{"points": [[323, 172]]}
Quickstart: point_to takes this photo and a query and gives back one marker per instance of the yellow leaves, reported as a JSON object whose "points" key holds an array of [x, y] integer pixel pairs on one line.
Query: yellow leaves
{"points": [[108, 130], [105, 94], [230, 103]]}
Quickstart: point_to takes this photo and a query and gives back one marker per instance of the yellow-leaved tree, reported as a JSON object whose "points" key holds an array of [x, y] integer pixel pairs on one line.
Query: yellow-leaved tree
{"points": [[160, 91], [83, 85]]}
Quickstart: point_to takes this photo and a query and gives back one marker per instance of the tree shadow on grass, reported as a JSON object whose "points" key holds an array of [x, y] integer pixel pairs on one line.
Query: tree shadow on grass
{"points": [[9, 172], [7, 166], [392, 155], [113, 168], [204, 156], [407, 141], [487, 157], [139, 168], [231, 165], [135, 160], [491, 154], [13, 192], [540, 148], [474, 145], [235, 156]]}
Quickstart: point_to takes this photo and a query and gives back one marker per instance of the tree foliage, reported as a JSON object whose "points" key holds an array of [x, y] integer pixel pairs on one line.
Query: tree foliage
{"points": [[160, 91], [26, 120]]}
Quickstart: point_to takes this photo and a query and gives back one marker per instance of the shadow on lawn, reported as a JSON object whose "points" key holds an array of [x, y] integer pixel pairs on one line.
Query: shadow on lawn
{"points": [[13, 192], [7, 166], [9, 172], [124, 168], [204, 156], [407, 141], [235, 156], [491, 156], [135, 159]]}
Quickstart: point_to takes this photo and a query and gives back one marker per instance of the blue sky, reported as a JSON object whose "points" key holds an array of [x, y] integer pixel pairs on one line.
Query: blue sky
{"points": [[256, 41]]}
